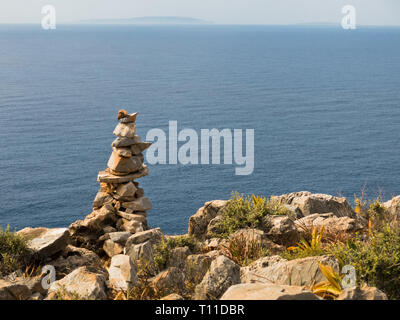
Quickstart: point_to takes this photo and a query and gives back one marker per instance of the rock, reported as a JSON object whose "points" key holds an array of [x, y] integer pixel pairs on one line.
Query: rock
{"points": [[46, 242], [309, 203], [14, 290], [36, 296], [140, 204], [178, 257], [139, 147], [141, 254], [262, 291], [128, 118], [367, 293], [154, 235], [198, 223], [126, 130], [122, 273], [223, 273], [213, 228], [393, 207], [280, 229], [132, 226], [125, 192], [120, 237], [172, 296], [101, 199], [112, 248], [123, 165], [84, 282], [125, 142], [124, 152], [132, 215], [109, 229], [196, 267], [298, 272], [72, 258], [107, 177], [172, 279], [333, 226], [255, 235]]}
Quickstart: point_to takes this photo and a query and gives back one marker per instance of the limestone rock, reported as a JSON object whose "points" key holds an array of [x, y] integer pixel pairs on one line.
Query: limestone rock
{"points": [[139, 147], [124, 152], [46, 242], [122, 273], [132, 226], [367, 293], [123, 165], [172, 279], [223, 273], [309, 203], [140, 204], [142, 253], [125, 192], [126, 130], [125, 142], [154, 235], [101, 199], [72, 258], [198, 223], [298, 272], [255, 235], [107, 177], [172, 296], [393, 207], [262, 291], [178, 257], [280, 229], [128, 118], [112, 248], [120, 237], [196, 267], [83, 282], [14, 290]]}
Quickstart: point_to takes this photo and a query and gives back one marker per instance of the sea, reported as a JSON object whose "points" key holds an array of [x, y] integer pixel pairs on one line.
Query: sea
{"points": [[324, 104]]}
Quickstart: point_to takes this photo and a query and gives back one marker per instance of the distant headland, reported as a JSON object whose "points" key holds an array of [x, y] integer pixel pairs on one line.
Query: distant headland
{"points": [[149, 20]]}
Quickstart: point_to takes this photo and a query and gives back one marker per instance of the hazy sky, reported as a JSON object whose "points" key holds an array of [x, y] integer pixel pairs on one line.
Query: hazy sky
{"points": [[371, 12]]}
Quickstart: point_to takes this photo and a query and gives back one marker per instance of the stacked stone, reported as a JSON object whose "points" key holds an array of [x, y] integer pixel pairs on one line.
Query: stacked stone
{"points": [[118, 187]]}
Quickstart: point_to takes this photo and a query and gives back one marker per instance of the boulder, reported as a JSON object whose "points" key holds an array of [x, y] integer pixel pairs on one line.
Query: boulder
{"points": [[251, 235], [46, 242], [122, 273], [262, 291], [223, 273], [280, 229], [298, 272], [72, 258], [366, 293], [196, 267], [112, 248], [125, 192], [309, 203], [333, 226], [198, 223], [141, 254], [82, 282], [178, 257], [14, 290], [132, 226], [393, 207], [120, 237], [172, 279], [155, 235]]}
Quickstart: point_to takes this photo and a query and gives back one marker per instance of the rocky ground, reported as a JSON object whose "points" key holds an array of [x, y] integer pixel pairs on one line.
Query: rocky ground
{"points": [[252, 248]]}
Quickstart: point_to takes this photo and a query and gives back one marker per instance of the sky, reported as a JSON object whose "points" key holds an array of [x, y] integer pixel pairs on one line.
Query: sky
{"points": [[369, 12]]}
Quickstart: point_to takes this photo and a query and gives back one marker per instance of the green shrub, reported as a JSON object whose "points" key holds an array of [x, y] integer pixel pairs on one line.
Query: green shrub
{"points": [[241, 212], [376, 260], [13, 251], [162, 251]]}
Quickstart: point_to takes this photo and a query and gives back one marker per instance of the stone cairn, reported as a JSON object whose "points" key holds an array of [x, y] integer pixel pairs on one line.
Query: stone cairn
{"points": [[120, 205]]}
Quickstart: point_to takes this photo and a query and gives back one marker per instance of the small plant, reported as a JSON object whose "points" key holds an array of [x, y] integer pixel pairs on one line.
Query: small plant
{"points": [[331, 288], [306, 248], [246, 212], [244, 251], [14, 252]]}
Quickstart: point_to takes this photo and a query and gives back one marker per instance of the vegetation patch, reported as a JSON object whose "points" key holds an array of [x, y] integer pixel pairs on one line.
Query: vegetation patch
{"points": [[14, 252], [246, 212]]}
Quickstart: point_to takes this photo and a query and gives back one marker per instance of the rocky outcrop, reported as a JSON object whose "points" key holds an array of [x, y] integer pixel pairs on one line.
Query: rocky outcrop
{"points": [[262, 291], [277, 270], [223, 273], [308, 203], [198, 223], [46, 242]]}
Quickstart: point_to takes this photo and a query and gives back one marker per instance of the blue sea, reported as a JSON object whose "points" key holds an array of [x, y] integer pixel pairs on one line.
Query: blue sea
{"points": [[324, 103]]}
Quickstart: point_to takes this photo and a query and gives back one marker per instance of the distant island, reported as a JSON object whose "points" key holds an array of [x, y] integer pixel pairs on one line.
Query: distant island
{"points": [[149, 20]]}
